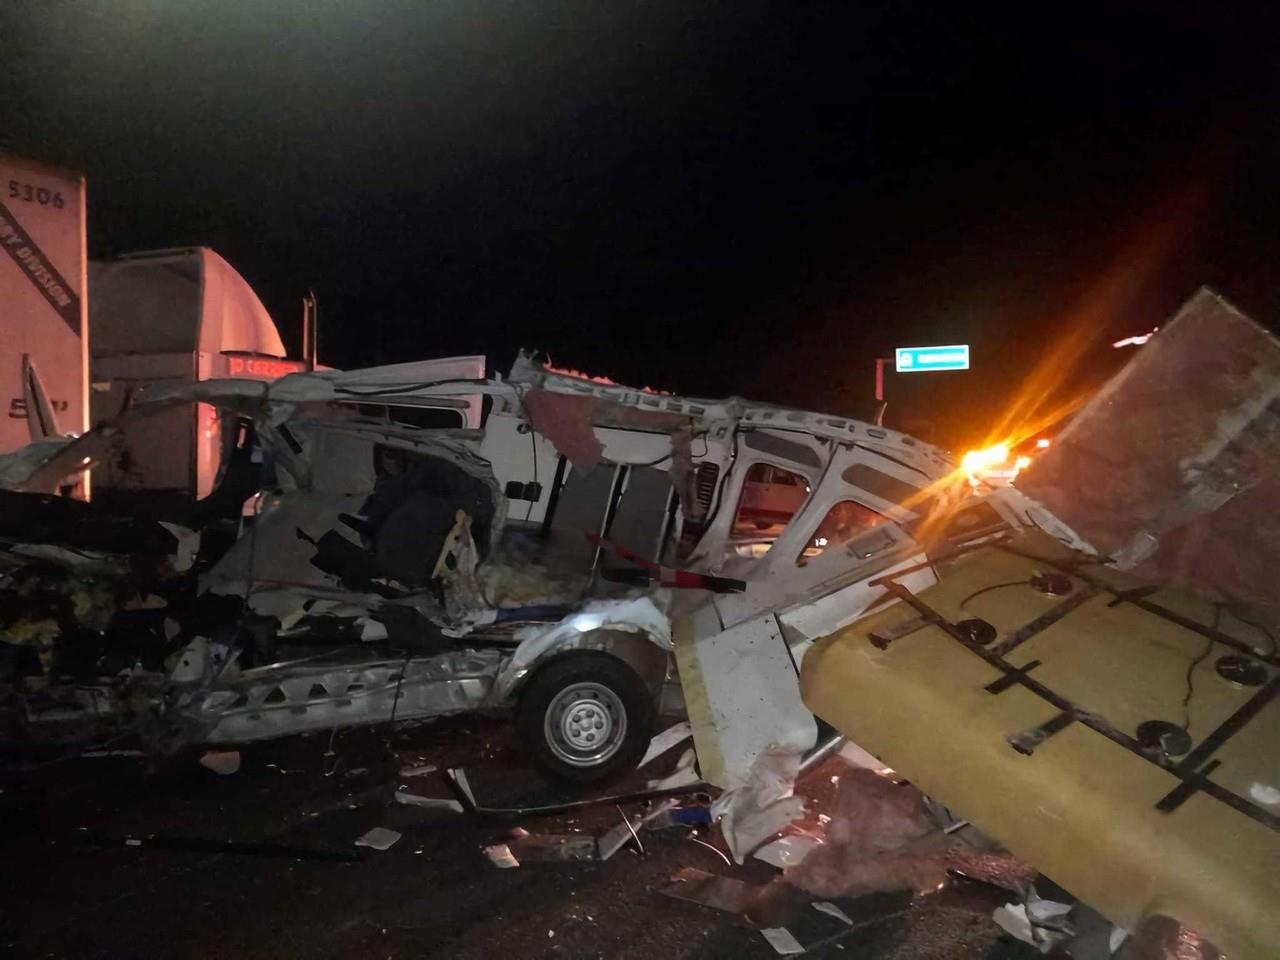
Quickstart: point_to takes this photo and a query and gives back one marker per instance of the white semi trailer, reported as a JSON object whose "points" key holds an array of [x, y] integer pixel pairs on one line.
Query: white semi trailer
{"points": [[79, 342], [44, 336], [163, 319]]}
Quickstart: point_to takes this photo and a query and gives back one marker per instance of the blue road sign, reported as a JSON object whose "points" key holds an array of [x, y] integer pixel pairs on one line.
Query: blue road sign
{"points": [[920, 359]]}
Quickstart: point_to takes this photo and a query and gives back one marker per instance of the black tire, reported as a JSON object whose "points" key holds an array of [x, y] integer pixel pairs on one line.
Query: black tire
{"points": [[607, 684]]}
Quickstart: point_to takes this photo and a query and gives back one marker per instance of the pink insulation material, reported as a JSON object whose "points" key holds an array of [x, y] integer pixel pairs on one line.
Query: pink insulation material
{"points": [[1173, 469], [879, 838]]}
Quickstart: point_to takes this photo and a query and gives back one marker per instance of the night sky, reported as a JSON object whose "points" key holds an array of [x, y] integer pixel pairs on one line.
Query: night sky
{"points": [[709, 198]]}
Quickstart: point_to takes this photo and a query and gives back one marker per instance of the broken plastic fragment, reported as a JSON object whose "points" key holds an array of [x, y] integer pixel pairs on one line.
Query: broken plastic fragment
{"points": [[684, 775], [500, 856], [781, 939], [222, 762], [666, 740], [787, 851], [1027, 922], [379, 838], [420, 770], [430, 803], [831, 910]]}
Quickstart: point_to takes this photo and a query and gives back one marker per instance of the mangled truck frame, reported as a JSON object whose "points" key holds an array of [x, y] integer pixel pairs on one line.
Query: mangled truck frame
{"points": [[424, 541]]}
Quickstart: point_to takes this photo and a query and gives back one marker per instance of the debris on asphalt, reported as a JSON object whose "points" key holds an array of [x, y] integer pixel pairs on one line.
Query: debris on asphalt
{"points": [[551, 848], [222, 762], [428, 803], [666, 740], [713, 848], [831, 910], [186, 844], [749, 815], [419, 770], [1041, 923], [726, 894], [379, 838], [500, 856], [781, 939], [787, 851], [524, 792], [680, 815], [615, 839], [684, 775]]}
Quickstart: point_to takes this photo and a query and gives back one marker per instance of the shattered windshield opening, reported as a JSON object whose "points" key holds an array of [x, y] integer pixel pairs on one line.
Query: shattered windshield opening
{"points": [[770, 497]]}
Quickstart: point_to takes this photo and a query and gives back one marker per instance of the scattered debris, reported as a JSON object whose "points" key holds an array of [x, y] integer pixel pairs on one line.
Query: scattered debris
{"points": [[1042, 923], [708, 890], [684, 775], [667, 739], [420, 770], [551, 848], [429, 803], [223, 762], [525, 792], [831, 910], [500, 856], [379, 838], [782, 941], [753, 813], [787, 851], [156, 841], [713, 848], [618, 837]]}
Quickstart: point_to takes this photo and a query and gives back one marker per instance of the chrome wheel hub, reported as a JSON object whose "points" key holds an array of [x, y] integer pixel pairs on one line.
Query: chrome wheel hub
{"points": [[585, 724]]}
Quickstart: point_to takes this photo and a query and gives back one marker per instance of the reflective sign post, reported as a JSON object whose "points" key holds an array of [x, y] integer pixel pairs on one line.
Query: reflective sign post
{"points": [[931, 359], [918, 360]]}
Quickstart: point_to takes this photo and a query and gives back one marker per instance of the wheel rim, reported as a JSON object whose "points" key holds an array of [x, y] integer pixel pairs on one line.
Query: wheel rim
{"points": [[585, 724]]}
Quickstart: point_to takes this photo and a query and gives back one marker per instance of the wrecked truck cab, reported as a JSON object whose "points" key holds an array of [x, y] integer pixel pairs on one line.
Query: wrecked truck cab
{"points": [[427, 541], [399, 534]]}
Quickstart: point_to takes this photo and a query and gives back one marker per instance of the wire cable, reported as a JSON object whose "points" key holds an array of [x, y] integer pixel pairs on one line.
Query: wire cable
{"points": [[1186, 699], [533, 443], [986, 589]]}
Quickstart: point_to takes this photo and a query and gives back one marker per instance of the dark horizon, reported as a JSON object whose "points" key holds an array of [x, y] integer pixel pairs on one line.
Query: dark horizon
{"points": [[751, 199]]}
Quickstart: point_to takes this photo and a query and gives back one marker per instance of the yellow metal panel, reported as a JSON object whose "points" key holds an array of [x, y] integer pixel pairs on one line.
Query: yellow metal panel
{"points": [[1081, 808]]}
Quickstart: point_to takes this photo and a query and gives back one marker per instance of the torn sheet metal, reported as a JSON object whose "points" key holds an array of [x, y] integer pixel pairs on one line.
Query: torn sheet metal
{"points": [[683, 776], [552, 848], [1042, 923], [639, 615], [274, 701], [666, 740], [766, 803], [1171, 468]]}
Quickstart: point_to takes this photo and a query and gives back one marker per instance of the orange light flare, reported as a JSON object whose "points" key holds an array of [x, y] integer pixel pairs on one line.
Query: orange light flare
{"points": [[993, 463], [1064, 377], [976, 463]]}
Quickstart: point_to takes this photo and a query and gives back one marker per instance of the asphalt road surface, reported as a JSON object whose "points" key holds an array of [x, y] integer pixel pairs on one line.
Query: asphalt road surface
{"points": [[117, 857]]}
